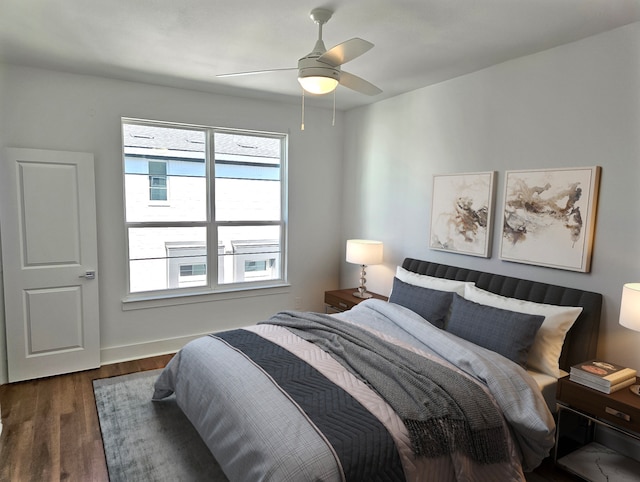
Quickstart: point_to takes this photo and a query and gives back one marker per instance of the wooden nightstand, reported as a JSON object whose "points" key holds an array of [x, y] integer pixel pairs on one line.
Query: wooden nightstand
{"points": [[342, 300], [582, 414]]}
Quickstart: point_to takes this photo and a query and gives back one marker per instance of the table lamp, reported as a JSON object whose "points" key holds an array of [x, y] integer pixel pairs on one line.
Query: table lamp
{"points": [[363, 252], [630, 313]]}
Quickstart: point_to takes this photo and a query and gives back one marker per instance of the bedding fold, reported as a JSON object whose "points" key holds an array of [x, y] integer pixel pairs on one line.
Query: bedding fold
{"points": [[515, 392], [321, 400], [443, 411]]}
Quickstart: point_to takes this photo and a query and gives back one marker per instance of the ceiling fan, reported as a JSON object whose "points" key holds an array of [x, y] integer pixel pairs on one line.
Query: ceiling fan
{"points": [[319, 71]]}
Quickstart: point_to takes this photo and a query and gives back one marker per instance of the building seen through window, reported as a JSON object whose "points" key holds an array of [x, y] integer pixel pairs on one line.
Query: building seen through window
{"points": [[189, 189]]}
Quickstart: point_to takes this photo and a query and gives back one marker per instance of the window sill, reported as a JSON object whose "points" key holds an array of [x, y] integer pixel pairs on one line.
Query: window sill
{"points": [[144, 301]]}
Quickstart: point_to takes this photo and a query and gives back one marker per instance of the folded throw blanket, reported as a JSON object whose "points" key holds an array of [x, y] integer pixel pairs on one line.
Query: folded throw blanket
{"points": [[443, 411]]}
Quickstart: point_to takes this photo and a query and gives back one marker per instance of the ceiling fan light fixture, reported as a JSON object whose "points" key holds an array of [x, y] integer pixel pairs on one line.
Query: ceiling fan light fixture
{"points": [[317, 84], [316, 77]]}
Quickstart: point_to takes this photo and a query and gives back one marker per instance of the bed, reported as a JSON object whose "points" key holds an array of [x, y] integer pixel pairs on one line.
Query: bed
{"points": [[446, 381]]}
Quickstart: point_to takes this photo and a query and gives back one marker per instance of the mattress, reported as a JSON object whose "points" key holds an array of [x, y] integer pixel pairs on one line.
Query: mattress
{"points": [[547, 385]]}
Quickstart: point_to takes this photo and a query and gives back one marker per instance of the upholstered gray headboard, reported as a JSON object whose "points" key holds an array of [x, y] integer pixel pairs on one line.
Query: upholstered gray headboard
{"points": [[581, 341]]}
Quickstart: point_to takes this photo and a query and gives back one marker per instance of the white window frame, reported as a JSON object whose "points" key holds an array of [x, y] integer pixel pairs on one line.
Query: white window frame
{"points": [[214, 266]]}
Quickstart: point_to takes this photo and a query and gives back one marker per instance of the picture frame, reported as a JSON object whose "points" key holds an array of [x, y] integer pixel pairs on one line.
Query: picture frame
{"points": [[549, 217], [462, 213]]}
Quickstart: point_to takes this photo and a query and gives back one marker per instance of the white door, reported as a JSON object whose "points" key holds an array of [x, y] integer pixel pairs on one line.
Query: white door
{"points": [[50, 260]]}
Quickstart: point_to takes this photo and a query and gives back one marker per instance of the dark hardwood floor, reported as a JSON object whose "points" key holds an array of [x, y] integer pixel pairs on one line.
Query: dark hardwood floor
{"points": [[51, 431], [50, 426]]}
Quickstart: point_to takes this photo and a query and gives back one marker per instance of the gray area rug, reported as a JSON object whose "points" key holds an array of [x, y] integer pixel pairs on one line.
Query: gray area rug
{"points": [[149, 441]]}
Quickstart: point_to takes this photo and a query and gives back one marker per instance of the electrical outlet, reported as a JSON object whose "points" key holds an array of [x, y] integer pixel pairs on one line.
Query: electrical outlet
{"points": [[297, 303]]}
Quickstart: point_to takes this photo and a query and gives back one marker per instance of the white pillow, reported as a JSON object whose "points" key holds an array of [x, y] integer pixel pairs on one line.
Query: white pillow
{"points": [[545, 352], [431, 282]]}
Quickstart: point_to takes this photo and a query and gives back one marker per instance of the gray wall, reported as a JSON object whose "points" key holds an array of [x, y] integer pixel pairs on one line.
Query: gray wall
{"points": [[50, 110], [573, 106], [576, 105]]}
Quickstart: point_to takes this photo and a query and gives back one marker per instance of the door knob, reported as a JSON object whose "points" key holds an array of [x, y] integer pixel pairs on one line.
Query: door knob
{"points": [[88, 275]]}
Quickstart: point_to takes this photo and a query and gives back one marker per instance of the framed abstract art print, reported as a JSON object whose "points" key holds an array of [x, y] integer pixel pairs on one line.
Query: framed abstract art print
{"points": [[461, 213], [549, 217]]}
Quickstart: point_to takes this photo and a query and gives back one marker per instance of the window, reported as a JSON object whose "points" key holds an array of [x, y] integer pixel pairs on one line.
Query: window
{"points": [[189, 189], [193, 269], [157, 181]]}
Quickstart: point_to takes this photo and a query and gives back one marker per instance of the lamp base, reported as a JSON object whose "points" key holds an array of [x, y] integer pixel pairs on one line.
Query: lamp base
{"points": [[363, 294], [635, 389], [362, 289]]}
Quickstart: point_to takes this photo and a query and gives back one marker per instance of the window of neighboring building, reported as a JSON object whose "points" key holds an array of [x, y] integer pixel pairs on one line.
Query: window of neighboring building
{"points": [[227, 190], [157, 181], [199, 269]]}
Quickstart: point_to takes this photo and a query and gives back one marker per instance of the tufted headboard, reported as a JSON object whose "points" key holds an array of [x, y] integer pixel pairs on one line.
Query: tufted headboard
{"points": [[581, 341]]}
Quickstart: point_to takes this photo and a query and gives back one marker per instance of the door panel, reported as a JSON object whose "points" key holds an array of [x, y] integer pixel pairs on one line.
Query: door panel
{"points": [[53, 320], [49, 242], [49, 192]]}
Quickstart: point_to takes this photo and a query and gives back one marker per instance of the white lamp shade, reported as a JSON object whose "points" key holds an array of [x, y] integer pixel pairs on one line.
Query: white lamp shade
{"points": [[364, 251], [630, 306]]}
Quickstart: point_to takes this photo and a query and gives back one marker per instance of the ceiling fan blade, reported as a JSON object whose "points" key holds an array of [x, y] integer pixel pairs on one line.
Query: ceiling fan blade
{"points": [[358, 84], [346, 51], [253, 72]]}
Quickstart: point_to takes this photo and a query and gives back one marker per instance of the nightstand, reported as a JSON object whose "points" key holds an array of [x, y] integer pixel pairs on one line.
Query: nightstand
{"points": [[342, 300], [582, 414]]}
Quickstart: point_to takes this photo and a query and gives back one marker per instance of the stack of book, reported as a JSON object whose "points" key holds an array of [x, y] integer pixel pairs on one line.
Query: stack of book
{"points": [[602, 376]]}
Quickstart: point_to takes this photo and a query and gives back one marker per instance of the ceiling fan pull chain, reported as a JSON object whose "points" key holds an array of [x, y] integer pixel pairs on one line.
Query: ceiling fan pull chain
{"points": [[333, 121], [302, 125]]}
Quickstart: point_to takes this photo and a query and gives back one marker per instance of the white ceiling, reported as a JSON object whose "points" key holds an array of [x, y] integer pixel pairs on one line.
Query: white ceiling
{"points": [[186, 43]]}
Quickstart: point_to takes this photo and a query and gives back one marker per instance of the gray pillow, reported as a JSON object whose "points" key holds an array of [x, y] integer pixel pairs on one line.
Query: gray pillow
{"points": [[506, 332], [432, 305]]}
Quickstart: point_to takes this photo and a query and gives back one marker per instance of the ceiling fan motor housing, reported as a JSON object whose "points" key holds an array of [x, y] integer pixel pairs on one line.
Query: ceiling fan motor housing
{"points": [[313, 68], [319, 72]]}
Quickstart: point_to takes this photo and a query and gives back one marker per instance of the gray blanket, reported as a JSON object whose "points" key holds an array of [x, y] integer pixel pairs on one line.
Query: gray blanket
{"points": [[443, 410]]}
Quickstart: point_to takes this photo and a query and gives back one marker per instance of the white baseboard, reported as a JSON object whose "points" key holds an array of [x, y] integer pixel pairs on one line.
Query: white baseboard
{"points": [[117, 354]]}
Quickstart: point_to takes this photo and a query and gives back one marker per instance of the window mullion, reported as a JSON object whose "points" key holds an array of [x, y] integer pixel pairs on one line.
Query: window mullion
{"points": [[212, 235]]}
